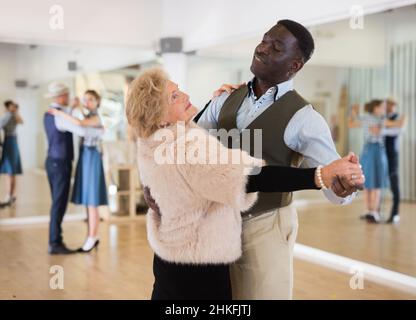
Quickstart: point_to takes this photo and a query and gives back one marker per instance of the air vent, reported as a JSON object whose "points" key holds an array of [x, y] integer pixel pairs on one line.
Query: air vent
{"points": [[20, 83], [72, 65]]}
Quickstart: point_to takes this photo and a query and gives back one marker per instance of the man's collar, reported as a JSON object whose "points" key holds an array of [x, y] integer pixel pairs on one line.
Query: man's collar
{"points": [[280, 89], [56, 105]]}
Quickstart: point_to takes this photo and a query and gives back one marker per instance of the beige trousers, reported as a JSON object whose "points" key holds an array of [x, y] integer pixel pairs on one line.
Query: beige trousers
{"points": [[265, 269]]}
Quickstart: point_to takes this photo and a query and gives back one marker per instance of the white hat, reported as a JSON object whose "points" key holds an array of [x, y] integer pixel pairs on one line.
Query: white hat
{"points": [[56, 89]]}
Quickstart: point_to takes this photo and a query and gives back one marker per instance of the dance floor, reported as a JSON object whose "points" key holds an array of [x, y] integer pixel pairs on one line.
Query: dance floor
{"points": [[121, 267], [338, 229]]}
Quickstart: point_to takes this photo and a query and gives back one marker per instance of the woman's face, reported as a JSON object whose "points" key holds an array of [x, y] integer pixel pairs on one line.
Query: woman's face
{"points": [[90, 102], [12, 108], [380, 110], [179, 106]]}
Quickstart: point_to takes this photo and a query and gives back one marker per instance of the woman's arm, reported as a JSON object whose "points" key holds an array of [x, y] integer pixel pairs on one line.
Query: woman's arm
{"points": [[90, 122], [288, 179], [395, 123], [354, 122], [354, 117], [281, 179]]}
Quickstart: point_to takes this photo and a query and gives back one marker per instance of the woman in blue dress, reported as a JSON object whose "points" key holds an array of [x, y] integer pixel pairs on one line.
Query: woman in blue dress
{"points": [[373, 157], [89, 186], [10, 163]]}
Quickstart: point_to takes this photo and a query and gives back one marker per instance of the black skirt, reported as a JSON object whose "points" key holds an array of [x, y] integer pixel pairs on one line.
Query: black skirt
{"points": [[190, 281]]}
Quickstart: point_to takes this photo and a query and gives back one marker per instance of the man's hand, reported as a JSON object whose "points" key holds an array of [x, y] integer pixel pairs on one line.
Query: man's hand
{"points": [[150, 201], [54, 111], [344, 176], [229, 88]]}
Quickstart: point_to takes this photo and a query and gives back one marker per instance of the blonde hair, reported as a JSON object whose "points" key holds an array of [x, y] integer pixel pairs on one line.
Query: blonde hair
{"points": [[146, 102]]}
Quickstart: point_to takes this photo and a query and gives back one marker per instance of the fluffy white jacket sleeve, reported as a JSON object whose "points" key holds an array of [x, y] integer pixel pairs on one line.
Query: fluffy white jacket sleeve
{"points": [[223, 180]]}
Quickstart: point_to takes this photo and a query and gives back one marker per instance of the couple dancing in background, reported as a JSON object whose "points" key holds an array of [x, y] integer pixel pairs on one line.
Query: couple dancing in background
{"points": [[10, 163], [89, 186], [217, 233], [380, 156]]}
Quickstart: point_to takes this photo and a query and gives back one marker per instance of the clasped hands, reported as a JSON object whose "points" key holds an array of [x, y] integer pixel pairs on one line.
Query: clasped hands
{"points": [[343, 176]]}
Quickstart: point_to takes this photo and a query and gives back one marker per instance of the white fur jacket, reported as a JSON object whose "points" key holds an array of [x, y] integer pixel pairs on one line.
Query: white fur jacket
{"points": [[200, 195]]}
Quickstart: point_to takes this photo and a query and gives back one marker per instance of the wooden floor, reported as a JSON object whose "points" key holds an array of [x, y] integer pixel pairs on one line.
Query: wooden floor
{"points": [[338, 229], [121, 267]]}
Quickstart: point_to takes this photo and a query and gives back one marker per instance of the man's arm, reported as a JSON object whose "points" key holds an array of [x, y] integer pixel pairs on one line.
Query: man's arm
{"points": [[308, 134], [65, 125], [392, 131]]}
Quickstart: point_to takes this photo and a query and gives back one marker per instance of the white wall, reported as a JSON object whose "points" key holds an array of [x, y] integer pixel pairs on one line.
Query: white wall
{"points": [[46, 63], [122, 22], [141, 23], [206, 23], [7, 71], [205, 75]]}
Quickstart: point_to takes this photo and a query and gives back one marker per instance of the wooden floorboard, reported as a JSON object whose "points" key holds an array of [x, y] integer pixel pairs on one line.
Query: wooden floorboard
{"points": [[121, 267]]}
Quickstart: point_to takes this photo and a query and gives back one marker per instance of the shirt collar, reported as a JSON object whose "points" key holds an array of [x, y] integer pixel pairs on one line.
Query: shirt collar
{"points": [[279, 90], [57, 105]]}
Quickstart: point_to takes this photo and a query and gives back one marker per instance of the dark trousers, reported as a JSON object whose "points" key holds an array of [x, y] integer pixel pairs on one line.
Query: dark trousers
{"points": [[59, 177], [393, 161], [190, 281]]}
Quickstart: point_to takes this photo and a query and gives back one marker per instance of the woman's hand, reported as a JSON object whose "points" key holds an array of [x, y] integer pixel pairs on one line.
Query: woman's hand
{"points": [[343, 176], [75, 103], [229, 88]]}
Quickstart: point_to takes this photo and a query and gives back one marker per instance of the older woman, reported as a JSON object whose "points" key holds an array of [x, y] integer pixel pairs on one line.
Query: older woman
{"points": [[10, 163], [196, 233]]}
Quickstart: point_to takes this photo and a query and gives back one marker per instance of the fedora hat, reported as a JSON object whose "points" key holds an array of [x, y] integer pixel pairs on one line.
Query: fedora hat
{"points": [[56, 89]]}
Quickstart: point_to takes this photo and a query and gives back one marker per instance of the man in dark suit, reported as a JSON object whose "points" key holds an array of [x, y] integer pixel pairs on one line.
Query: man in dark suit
{"points": [[392, 150]]}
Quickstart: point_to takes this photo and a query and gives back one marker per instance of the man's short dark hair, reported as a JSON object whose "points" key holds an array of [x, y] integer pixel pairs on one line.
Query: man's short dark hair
{"points": [[302, 35]]}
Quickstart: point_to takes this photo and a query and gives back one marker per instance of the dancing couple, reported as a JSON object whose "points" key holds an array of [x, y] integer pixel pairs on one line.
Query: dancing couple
{"points": [[219, 233], [89, 187]]}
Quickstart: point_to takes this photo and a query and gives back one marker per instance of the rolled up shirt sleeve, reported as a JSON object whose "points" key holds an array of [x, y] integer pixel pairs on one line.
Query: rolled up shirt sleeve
{"points": [[5, 119], [392, 132], [308, 134]]}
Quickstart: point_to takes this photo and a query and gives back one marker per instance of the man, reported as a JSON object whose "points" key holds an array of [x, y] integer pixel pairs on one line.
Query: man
{"points": [[291, 130], [392, 150], [59, 161]]}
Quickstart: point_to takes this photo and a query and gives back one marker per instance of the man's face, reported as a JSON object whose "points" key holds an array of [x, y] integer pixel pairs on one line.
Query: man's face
{"points": [[391, 107], [63, 100], [277, 57]]}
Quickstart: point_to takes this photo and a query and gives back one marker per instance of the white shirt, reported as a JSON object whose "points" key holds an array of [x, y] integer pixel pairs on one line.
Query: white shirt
{"points": [[306, 133], [63, 124]]}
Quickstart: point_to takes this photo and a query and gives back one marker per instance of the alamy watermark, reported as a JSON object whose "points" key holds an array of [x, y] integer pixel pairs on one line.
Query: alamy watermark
{"points": [[195, 146], [56, 282], [356, 17], [357, 279], [56, 20]]}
